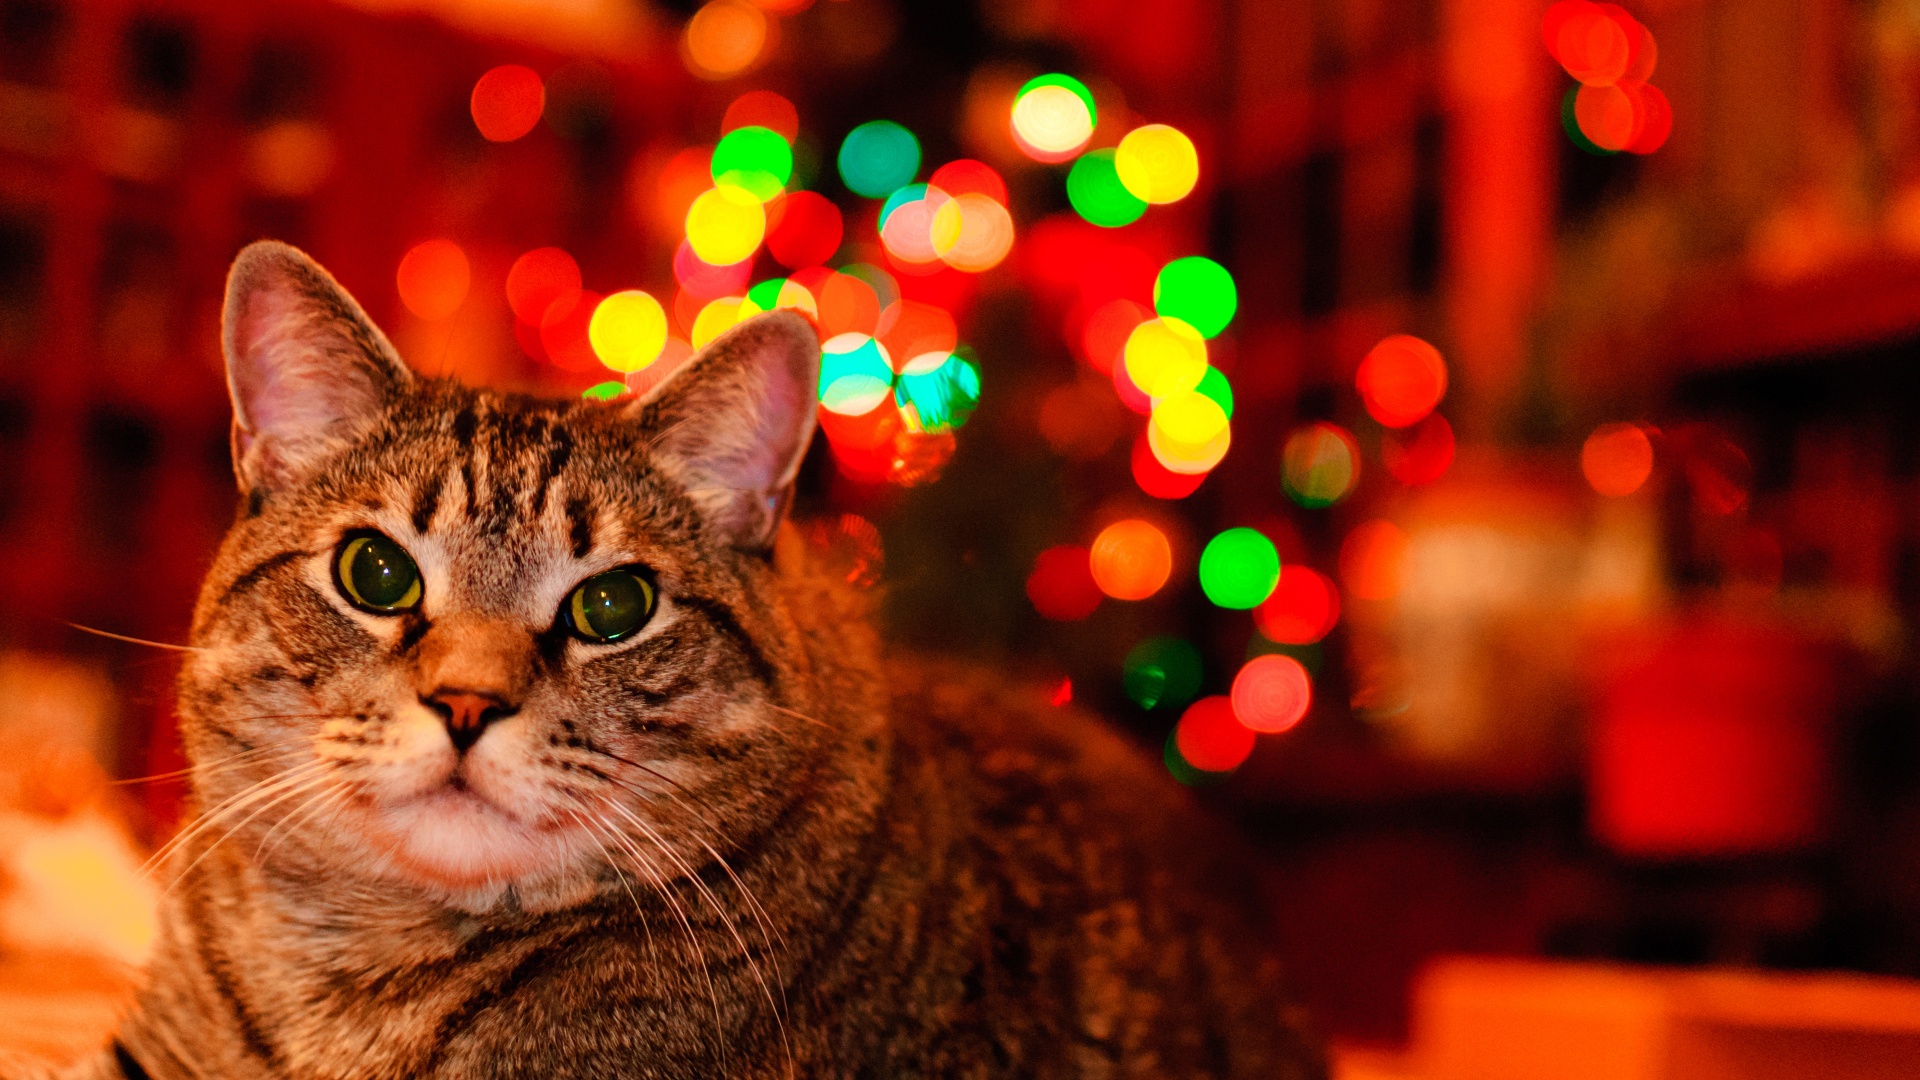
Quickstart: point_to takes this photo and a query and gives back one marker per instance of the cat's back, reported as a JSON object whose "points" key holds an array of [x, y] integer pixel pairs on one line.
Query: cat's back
{"points": [[1100, 924]]}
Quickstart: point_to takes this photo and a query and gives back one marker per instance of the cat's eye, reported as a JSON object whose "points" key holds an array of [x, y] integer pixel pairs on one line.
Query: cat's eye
{"points": [[377, 574], [608, 607]]}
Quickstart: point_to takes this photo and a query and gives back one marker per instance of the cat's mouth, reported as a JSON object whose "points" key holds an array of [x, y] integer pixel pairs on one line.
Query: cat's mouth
{"points": [[455, 836]]}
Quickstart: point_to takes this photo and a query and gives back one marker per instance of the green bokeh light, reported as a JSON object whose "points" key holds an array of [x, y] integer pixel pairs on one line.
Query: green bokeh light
{"points": [[754, 158], [766, 295], [1570, 120], [605, 391], [1161, 671], [1056, 79], [1183, 770], [941, 399], [1197, 291], [1214, 385], [853, 374], [878, 157], [1094, 189], [907, 193], [1239, 569]]}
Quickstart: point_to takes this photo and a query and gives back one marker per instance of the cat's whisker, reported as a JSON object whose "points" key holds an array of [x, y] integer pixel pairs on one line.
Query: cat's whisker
{"points": [[325, 796], [131, 640], [638, 909], [292, 791], [822, 724], [233, 805], [231, 761]]}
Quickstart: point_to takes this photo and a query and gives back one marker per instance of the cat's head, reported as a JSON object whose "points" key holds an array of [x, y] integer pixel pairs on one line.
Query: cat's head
{"points": [[459, 640]]}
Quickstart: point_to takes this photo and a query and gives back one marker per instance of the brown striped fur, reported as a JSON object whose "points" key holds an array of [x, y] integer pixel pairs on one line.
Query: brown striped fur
{"points": [[739, 844]]}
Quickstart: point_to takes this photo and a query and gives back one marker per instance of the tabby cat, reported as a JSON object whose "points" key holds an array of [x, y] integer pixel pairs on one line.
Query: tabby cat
{"points": [[529, 741]]}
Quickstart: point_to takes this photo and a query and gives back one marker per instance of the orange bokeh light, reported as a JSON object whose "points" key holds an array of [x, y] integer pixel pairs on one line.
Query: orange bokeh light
{"points": [[1104, 336], [1372, 558], [1401, 380], [1617, 459], [433, 279], [763, 108], [1131, 559], [685, 177], [538, 279], [1272, 693], [725, 38], [1302, 608], [507, 102], [1211, 738], [1156, 479]]}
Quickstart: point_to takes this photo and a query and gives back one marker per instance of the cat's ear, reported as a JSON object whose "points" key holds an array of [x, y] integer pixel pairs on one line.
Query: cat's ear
{"points": [[308, 371], [733, 422]]}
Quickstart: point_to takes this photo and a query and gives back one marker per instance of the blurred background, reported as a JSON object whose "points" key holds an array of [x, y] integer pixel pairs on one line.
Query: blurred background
{"points": [[1474, 443]]}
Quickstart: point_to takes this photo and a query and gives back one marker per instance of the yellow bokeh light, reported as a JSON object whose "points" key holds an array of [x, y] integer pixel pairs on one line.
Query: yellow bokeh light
{"points": [[724, 38], [1157, 164], [1052, 119], [725, 225], [1189, 433], [720, 316], [795, 296], [628, 330], [1165, 357], [972, 232]]}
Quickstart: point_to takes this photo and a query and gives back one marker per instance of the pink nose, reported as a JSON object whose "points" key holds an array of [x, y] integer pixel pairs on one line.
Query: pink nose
{"points": [[466, 714]]}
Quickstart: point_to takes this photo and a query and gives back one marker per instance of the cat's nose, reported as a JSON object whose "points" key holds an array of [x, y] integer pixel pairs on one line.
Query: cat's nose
{"points": [[466, 714]]}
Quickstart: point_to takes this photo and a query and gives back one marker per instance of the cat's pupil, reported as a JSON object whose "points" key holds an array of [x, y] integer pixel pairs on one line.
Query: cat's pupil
{"points": [[609, 606], [378, 574]]}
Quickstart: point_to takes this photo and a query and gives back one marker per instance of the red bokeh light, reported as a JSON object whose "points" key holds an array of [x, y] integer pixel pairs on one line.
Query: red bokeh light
{"points": [[1156, 479], [1419, 455], [804, 228], [1401, 380], [909, 328], [1617, 459], [1062, 586], [705, 281], [1653, 118], [1303, 608], [1272, 693], [563, 332], [1371, 560], [1130, 395], [967, 175], [763, 108], [1211, 738], [433, 279], [1103, 336], [507, 102], [539, 278]]}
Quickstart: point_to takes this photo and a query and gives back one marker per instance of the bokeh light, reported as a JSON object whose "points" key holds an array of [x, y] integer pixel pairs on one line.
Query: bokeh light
{"points": [[1165, 357], [1157, 164], [716, 318], [433, 279], [763, 108], [1131, 559], [1215, 387], [1211, 738], [1304, 607], [969, 177], [605, 391], [628, 330], [1161, 671], [971, 232], [1104, 336], [775, 294], [1371, 560], [1319, 465], [804, 229], [1401, 380], [1607, 115], [1095, 190], [1197, 291], [755, 158], [507, 102], [1271, 693], [563, 332], [847, 305], [1617, 459], [1239, 569], [1653, 119], [1156, 479], [677, 351], [1061, 587], [724, 38], [906, 226], [706, 281], [1189, 432], [1053, 117], [1589, 41], [538, 279], [939, 399], [877, 158], [726, 224], [913, 329], [1420, 454], [856, 374]]}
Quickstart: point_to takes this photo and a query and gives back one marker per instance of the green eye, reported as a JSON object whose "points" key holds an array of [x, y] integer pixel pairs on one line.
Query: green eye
{"points": [[607, 607], [377, 574]]}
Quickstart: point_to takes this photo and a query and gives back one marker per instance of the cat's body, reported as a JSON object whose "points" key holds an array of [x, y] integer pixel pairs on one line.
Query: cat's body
{"points": [[457, 831]]}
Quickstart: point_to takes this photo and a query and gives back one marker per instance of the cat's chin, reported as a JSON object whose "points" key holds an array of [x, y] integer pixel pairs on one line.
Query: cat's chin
{"points": [[456, 842]]}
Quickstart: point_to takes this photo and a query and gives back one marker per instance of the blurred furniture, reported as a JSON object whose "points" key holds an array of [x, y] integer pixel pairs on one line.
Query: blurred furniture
{"points": [[58, 1007]]}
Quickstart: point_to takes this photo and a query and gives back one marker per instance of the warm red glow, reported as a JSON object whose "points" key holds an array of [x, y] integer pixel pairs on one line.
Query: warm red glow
{"points": [[1653, 118], [1103, 337], [763, 108], [1371, 560], [1211, 738], [1272, 693], [911, 330], [539, 278], [847, 306], [1617, 459], [705, 281], [563, 333], [804, 229], [967, 176], [1156, 479], [725, 38], [1130, 395], [1607, 115], [1401, 380], [433, 279], [1062, 586], [1131, 559], [685, 177], [1302, 609], [1062, 694], [1718, 472], [507, 102], [1419, 455]]}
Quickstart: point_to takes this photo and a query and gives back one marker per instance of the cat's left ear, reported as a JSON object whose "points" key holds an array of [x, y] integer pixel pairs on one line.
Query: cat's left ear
{"points": [[733, 423], [308, 371]]}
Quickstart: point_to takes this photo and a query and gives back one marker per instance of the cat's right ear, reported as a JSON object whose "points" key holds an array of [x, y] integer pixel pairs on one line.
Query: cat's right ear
{"points": [[309, 373]]}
